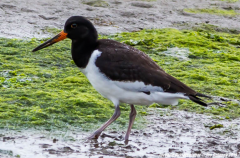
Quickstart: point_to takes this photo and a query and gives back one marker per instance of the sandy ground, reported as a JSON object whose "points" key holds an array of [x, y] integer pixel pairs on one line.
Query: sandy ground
{"points": [[176, 132], [28, 18]]}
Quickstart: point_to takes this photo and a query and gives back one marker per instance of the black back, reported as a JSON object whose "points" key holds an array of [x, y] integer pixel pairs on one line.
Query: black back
{"points": [[120, 62]]}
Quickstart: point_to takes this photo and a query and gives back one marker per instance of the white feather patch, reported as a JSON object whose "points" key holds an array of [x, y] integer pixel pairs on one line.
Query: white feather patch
{"points": [[127, 92], [137, 86]]}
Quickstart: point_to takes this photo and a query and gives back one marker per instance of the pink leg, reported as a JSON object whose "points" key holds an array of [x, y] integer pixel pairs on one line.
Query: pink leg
{"points": [[97, 133], [132, 116]]}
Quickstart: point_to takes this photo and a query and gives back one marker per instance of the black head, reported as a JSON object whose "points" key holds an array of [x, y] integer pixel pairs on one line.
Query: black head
{"points": [[77, 28]]}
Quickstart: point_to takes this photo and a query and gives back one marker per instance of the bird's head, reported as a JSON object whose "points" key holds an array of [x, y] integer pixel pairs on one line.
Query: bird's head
{"points": [[77, 28]]}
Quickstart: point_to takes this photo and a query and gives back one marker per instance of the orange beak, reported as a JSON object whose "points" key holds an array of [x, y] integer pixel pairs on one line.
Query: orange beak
{"points": [[61, 36]]}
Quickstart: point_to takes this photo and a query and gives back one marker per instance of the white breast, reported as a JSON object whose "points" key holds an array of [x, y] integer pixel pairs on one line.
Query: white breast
{"points": [[126, 92]]}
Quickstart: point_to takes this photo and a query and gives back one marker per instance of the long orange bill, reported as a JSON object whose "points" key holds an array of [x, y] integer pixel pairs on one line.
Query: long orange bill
{"points": [[61, 36]]}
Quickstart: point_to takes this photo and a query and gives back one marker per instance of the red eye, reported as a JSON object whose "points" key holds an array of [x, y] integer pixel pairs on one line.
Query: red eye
{"points": [[73, 26]]}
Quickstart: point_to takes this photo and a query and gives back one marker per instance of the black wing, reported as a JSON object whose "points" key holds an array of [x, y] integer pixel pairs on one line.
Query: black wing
{"points": [[121, 62]]}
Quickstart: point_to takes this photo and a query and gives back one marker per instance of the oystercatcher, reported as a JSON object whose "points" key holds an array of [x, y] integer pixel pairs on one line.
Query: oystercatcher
{"points": [[119, 72]]}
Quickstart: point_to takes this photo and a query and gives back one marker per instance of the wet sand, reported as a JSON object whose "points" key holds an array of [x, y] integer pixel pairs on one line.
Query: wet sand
{"points": [[173, 134], [25, 18]]}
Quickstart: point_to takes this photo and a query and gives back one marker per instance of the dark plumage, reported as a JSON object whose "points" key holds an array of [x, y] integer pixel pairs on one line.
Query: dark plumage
{"points": [[120, 62]]}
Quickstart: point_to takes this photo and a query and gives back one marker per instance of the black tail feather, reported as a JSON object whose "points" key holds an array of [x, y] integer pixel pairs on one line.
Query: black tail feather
{"points": [[203, 95], [197, 100]]}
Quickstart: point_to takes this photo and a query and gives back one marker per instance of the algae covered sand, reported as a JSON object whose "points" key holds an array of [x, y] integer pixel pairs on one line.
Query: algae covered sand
{"points": [[45, 89], [215, 11]]}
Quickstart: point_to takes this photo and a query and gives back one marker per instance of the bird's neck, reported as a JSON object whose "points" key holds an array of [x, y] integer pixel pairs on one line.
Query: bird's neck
{"points": [[82, 51]]}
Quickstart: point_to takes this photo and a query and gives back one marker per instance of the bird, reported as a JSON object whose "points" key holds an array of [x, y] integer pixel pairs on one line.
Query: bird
{"points": [[119, 72]]}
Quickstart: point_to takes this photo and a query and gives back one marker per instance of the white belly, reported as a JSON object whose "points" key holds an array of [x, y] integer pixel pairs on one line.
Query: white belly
{"points": [[117, 92]]}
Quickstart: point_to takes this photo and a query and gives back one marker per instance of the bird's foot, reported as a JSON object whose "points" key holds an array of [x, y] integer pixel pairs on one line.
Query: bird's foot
{"points": [[95, 135], [126, 141]]}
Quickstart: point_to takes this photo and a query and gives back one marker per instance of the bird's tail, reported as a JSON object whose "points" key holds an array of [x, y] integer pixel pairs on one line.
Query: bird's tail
{"points": [[195, 98], [203, 95]]}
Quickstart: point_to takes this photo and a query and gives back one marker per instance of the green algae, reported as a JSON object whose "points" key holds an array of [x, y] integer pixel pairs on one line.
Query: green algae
{"points": [[50, 30], [214, 28], [215, 11], [45, 89], [230, 1], [216, 126], [96, 3]]}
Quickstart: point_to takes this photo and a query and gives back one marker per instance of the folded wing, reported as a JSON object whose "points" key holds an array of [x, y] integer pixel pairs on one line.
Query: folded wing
{"points": [[125, 64]]}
